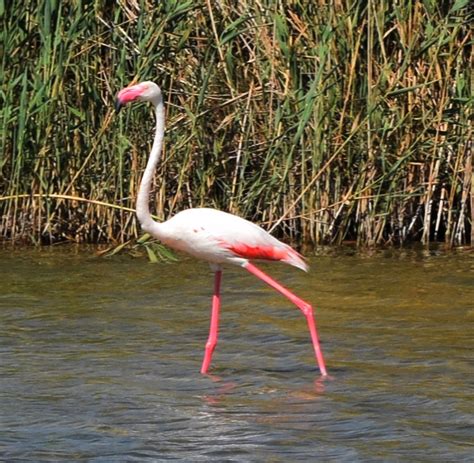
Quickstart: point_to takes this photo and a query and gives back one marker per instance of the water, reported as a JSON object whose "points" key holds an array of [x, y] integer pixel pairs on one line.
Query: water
{"points": [[100, 360]]}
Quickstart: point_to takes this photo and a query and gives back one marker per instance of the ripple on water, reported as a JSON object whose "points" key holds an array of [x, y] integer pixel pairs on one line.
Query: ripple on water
{"points": [[100, 361]]}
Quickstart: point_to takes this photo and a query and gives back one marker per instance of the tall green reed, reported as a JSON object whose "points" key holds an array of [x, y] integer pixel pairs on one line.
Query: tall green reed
{"points": [[323, 121]]}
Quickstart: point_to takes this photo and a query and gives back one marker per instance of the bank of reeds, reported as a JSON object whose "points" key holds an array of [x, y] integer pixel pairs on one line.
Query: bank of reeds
{"points": [[324, 121]]}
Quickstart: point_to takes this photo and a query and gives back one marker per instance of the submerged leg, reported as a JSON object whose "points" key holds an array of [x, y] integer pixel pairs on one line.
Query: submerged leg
{"points": [[302, 305], [213, 330]]}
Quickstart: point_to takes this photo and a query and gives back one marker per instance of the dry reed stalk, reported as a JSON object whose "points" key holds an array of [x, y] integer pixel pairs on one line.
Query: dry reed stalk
{"points": [[326, 122]]}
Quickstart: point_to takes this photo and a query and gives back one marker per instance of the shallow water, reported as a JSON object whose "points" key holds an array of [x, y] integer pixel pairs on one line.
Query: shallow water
{"points": [[100, 360]]}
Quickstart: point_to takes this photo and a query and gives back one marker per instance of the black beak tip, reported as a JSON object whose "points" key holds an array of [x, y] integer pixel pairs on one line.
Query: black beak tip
{"points": [[118, 105]]}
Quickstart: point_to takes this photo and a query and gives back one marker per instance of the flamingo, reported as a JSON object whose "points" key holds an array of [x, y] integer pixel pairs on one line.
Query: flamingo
{"points": [[212, 235]]}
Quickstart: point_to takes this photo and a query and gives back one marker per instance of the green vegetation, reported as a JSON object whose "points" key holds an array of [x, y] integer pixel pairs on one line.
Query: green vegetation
{"points": [[323, 121]]}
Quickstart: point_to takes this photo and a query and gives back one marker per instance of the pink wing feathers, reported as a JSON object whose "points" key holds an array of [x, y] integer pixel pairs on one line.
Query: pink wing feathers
{"points": [[266, 251], [218, 236], [242, 238]]}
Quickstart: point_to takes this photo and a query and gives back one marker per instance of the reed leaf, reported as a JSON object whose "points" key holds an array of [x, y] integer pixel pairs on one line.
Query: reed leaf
{"points": [[322, 121]]}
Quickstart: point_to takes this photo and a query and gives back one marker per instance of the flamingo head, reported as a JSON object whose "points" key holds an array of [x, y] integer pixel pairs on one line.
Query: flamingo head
{"points": [[144, 91]]}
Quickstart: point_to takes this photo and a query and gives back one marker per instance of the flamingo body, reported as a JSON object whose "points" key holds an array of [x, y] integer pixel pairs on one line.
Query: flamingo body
{"points": [[212, 235], [219, 238]]}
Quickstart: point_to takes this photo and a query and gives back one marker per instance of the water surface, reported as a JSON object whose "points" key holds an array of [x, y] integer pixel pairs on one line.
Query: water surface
{"points": [[100, 360]]}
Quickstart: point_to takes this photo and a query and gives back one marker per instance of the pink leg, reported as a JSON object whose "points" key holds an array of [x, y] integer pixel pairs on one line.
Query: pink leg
{"points": [[213, 330], [302, 305]]}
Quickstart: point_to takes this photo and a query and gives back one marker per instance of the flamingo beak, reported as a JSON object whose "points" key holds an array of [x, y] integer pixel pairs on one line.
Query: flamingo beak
{"points": [[127, 95], [118, 105]]}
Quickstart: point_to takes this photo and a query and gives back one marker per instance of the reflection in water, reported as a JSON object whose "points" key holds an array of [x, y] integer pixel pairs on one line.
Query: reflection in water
{"points": [[100, 360], [224, 387]]}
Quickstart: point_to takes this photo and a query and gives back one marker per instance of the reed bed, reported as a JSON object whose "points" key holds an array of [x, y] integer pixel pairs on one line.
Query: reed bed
{"points": [[325, 121]]}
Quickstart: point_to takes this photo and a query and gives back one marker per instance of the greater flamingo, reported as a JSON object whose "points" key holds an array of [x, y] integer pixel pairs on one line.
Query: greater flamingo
{"points": [[212, 235]]}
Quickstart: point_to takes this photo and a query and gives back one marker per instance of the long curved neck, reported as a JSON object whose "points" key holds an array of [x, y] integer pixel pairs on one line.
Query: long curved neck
{"points": [[143, 210]]}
